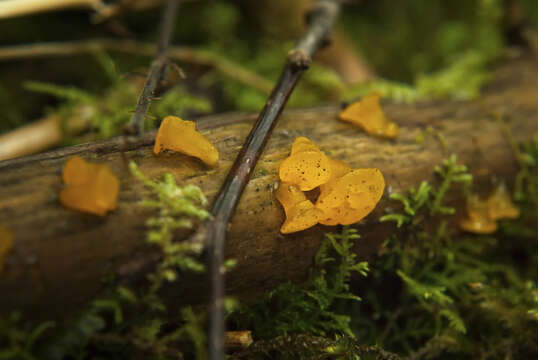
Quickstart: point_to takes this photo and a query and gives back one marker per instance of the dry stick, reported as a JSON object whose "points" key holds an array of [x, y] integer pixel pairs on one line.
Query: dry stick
{"points": [[157, 68], [320, 19], [180, 53], [14, 8]]}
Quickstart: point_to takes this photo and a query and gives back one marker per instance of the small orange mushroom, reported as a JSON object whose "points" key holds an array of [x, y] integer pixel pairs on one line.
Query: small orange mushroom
{"points": [[307, 167], [91, 188], [300, 212], [351, 197], [6, 243], [181, 136], [478, 220], [302, 144], [368, 114], [500, 205]]}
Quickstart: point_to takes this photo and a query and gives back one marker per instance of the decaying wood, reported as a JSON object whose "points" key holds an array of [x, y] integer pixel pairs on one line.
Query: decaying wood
{"points": [[60, 257]]}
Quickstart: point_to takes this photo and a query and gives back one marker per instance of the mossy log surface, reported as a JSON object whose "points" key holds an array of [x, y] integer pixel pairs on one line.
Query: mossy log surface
{"points": [[60, 257]]}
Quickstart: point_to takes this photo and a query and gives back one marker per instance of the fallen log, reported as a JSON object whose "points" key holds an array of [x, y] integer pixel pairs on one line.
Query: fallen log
{"points": [[60, 257]]}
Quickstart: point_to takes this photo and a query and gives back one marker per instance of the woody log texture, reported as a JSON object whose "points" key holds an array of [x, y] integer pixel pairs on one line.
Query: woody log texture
{"points": [[60, 257]]}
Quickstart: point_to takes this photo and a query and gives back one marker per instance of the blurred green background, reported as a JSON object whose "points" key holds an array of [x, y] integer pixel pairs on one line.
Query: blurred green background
{"points": [[416, 49]]}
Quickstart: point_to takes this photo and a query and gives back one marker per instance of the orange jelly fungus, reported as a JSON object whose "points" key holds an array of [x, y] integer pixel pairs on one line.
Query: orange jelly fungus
{"points": [[368, 114], [478, 220], [346, 195], [91, 187], [302, 144], [181, 136], [6, 243], [300, 212], [500, 205], [338, 169], [351, 197], [307, 167]]}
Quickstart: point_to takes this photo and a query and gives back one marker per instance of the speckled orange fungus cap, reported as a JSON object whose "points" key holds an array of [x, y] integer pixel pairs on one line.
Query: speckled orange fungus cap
{"points": [[6, 243], [500, 205], [478, 220], [351, 197], [300, 212], [181, 136], [346, 195], [338, 169], [368, 114], [307, 167], [90, 187]]}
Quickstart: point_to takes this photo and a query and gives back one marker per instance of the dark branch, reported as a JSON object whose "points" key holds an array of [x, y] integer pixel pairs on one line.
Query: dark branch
{"points": [[320, 19], [157, 69]]}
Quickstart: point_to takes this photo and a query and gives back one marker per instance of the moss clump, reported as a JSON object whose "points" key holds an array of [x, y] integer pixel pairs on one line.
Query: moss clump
{"points": [[435, 292], [309, 307]]}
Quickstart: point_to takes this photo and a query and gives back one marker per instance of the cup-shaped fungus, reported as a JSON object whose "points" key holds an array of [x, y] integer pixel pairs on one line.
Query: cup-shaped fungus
{"points": [[300, 212], [478, 220], [302, 144], [181, 136], [368, 114], [6, 243], [90, 187], [351, 197], [346, 195], [307, 167], [500, 205]]}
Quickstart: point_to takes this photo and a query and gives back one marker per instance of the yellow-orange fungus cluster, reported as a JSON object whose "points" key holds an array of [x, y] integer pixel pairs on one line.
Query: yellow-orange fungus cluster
{"points": [[346, 195], [181, 136], [6, 242], [368, 114], [482, 215], [90, 187]]}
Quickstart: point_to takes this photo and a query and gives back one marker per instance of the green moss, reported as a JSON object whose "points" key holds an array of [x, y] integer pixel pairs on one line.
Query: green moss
{"points": [[435, 292], [176, 208], [16, 341], [309, 307]]}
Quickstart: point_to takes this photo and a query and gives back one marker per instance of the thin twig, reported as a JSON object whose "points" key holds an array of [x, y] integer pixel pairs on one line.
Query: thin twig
{"points": [[15, 8], [180, 53], [102, 11], [158, 66], [321, 19]]}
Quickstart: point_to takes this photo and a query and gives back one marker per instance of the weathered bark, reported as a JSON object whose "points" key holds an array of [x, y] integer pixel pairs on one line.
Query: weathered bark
{"points": [[60, 257]]}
